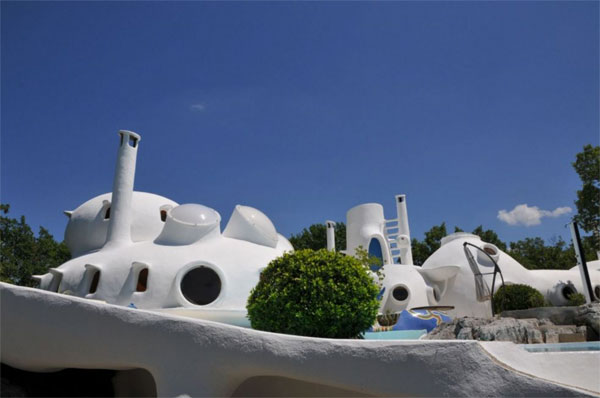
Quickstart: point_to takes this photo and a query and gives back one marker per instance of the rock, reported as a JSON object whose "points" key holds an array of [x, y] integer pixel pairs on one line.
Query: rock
{"points": [[551, 337], [589, 315], [465, 334], [557, 315]]}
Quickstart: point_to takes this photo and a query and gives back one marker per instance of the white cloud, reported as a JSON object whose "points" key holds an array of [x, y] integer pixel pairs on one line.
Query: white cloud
{"points": [[198, 107], [528, 216]]}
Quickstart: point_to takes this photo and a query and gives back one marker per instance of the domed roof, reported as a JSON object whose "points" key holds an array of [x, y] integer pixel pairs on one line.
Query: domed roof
{"points": [[88, 224]]}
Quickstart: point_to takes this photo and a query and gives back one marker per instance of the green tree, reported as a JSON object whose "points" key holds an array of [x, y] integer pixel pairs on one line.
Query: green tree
{"points": [[22, 254], [587, 165], [315, 237], [489, 236], [422, 250]]}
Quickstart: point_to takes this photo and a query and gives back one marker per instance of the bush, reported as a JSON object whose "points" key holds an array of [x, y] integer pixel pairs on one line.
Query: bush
{"points": [[314, 293], [576, 299], [517, 297]]}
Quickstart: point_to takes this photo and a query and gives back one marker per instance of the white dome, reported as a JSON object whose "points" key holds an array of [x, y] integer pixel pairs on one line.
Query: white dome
{"points": [[88, 224], [189, 223], [252, 225]]}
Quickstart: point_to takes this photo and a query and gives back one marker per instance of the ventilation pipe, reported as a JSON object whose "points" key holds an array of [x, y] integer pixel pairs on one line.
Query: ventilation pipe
{"points": [[403, 231], [119, 227], [330, 235]]}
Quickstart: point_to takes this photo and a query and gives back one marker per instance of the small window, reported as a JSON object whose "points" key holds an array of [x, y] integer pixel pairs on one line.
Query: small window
{"points": [[132, 141], [142, 283], [163, 215], [95, 281], [107, 213], [400, 293]]}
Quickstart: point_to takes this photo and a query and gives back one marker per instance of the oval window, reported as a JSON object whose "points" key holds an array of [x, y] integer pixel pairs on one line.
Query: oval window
{"points": [[375, 252], [201, 286]]}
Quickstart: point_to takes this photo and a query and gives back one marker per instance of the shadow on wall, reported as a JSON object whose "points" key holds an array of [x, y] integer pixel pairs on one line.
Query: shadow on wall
{"points": [[276, 386], [77, 383]]}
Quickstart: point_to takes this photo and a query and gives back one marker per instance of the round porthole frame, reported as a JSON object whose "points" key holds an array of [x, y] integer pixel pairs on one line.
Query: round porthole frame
{"points": [[407, 293], [184, 302]]}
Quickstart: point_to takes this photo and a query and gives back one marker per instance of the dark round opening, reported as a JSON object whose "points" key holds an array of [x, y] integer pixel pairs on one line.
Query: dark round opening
{"points": [[201, 286], [400, 293], [490, 250], [567, 291]]}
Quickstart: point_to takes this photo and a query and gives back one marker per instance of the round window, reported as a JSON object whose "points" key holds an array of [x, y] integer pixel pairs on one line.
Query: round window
{"points": [[400, 293], [567, 291], [201, 286]]}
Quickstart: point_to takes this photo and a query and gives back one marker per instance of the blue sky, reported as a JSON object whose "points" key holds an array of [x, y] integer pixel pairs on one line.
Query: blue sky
{"points": [[304, 109]]}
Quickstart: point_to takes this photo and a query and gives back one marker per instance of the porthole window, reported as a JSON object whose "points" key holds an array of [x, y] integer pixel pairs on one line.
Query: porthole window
{"points": [[201, 286], [567, 291], [400, 293], [489, 250], [95, 281], [142, 283]]}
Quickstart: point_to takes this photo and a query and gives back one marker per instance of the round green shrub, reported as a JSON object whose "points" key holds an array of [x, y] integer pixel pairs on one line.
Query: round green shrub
{"points": [[517, 297], [314, 293]]}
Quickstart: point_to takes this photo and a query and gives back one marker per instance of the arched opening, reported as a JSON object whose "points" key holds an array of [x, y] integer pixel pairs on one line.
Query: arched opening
{"points": [[95, 282], [201, 286], [278, 386], [142, 282], [107, 213], [375, 254], [567, 291], [163, 215]]}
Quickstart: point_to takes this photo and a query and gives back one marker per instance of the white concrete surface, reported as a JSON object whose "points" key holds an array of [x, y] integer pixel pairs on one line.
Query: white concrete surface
{"points": [[44, 331]]}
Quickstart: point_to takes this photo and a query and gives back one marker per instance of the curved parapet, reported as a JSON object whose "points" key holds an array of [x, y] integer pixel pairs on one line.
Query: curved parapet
{"points": [[365, 228], [188, 223], [234, 359]]}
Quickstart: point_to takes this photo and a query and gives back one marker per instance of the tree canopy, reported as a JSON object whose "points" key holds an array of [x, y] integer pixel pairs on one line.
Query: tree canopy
{"points": [[315, 237], [587, 165], [22, 254]]}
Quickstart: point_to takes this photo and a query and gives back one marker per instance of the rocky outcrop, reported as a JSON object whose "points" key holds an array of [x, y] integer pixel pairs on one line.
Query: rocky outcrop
{"points": [[522, 331], [587, 315]]}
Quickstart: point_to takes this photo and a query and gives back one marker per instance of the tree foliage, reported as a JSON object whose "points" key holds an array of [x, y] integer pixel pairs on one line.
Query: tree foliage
{"points": [[587, 165], [421, 250], [314, 293], [22, 254], [315, 237]]}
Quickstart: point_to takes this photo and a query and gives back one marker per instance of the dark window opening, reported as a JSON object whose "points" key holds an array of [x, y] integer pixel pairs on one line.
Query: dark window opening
{"points": [[142, 283], [400, 293], [201, 286], [95, 281], [490, 250], [107, 213], [132, 141], [597, 292], [163, 215], [567, 291]]}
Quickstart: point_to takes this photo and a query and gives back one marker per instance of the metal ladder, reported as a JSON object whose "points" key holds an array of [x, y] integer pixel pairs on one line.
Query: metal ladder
{"points": [[391, 232]]}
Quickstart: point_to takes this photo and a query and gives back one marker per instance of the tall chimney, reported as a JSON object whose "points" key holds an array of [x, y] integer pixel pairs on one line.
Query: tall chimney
{"points": [[119, 227], [403, 231], [330, 235]]}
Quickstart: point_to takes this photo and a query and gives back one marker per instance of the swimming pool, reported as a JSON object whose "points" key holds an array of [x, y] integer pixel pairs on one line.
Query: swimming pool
{"points": [[563, 347]]}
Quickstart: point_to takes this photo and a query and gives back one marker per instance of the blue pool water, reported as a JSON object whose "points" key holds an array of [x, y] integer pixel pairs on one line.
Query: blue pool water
{"points": [[561, 347], [395, 335]]}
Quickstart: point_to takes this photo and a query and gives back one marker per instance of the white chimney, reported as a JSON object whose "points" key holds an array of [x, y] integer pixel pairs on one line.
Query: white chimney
{"points": [[403, 231], [330, 235], [119, 227]]}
